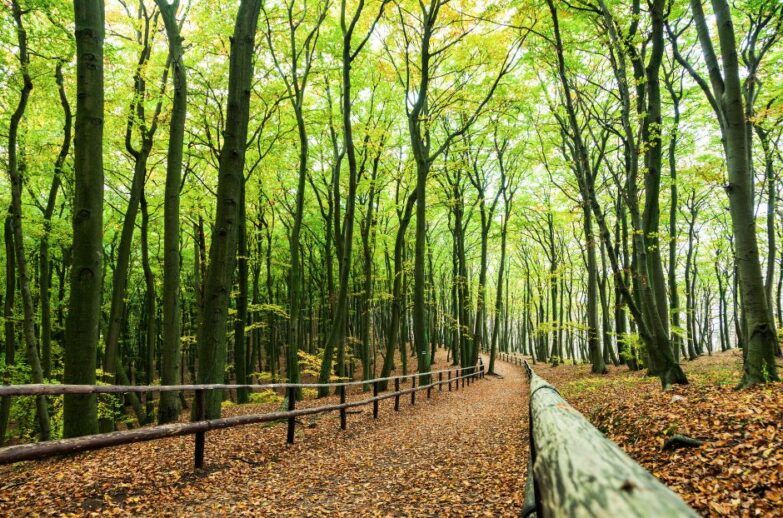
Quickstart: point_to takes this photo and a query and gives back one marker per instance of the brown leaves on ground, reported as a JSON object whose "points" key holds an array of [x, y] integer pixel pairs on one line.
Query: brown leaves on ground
{"points": [[456, 454], [738, 471], [462, 453]]}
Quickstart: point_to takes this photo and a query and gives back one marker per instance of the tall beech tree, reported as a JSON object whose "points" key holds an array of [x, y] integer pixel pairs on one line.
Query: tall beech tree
{"points": [[295, 74], [222, 249], [652, 328], [724, 93], [15, 175], [169, 402], [348, 22], [82, 325]]}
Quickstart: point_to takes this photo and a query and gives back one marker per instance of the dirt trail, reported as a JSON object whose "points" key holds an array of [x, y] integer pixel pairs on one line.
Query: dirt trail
{"points": [[462, 453]]}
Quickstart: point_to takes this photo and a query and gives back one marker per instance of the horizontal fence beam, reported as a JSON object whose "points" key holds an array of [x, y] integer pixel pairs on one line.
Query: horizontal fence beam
{"points": [[577, 471], [61, 389], [34, 451]]}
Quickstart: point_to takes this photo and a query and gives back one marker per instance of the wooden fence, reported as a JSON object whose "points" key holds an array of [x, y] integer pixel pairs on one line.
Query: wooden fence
{"points": [[575, 471], [200, 425], [512, 358]]}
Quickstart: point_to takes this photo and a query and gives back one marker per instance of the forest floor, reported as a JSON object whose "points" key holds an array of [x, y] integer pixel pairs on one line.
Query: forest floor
{"points": [[738, 471], [460, 453]]}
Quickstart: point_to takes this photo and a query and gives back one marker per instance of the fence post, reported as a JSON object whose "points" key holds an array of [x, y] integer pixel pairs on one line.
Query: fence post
{"points": [[462, 376], [440, 381], [342, 410], [397, 395], [413, 392], [291, 419], [201, 415], [449, 377], [375, 403], [429, 389]]}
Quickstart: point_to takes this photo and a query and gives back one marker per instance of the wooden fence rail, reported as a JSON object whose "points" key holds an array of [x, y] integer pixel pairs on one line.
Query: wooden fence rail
{"points": [[200, 426], [512, 358], [576, 471]]}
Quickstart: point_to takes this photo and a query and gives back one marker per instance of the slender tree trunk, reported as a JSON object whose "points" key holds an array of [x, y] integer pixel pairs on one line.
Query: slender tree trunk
{"points": [[112, 364], [690, 310], [674, 296], [44, 269], [240, 320], [150, 309], [397, 292], [345, 238], [499, 294], [760, 337], [593, 340], [15, 176], [222, 250], [170, 401], [771, 181], [9, 320]]}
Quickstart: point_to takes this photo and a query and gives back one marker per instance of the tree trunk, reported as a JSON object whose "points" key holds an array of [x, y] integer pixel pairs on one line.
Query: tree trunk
{"points": [[81, 329], [150, 309], [15, 176], [9, 320], [760, 336], [240, 319], [222, 250], [169, 401], [397, 292], [44, 270]]}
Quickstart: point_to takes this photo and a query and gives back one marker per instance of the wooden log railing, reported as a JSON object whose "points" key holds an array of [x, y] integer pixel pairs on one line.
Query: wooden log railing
{"points": [[575, 470], [512, 358], [200, 425]]}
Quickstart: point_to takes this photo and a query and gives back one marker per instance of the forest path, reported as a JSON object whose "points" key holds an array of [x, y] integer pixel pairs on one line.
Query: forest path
{"points": [[460, 453]]}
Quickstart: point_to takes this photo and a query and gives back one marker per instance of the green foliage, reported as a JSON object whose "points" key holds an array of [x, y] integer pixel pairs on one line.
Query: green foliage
{"points": [[265, 396], [634, 349], [110, 406], [310, 364]]}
